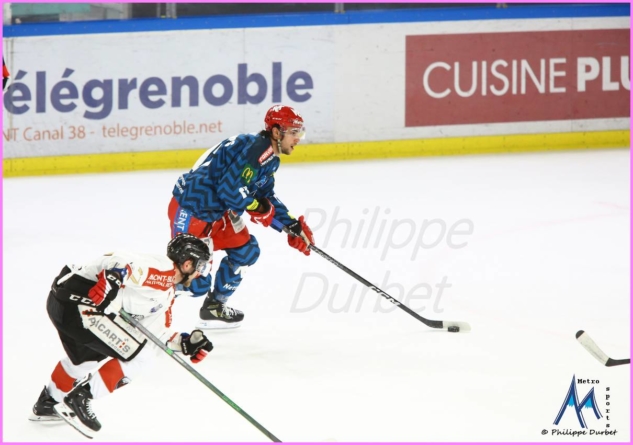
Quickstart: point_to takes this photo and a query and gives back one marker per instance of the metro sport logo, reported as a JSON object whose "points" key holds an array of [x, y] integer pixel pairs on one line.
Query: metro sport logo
{"points": [[571, 401]]}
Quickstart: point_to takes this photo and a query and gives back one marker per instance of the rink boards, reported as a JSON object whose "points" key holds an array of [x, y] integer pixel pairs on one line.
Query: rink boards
{"points": [[134, 98]]}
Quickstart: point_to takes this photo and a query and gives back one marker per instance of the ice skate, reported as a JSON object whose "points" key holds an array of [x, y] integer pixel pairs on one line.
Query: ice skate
{"points": [[43, 410], [76, 410], [217, 315]]}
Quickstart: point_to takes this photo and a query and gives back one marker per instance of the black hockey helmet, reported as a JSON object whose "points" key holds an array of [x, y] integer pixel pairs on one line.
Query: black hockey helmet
{"points": [[185, 246]]}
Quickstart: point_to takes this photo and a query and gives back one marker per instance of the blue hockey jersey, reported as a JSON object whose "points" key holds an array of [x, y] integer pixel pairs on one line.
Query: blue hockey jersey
{"points": [[231, 176]]}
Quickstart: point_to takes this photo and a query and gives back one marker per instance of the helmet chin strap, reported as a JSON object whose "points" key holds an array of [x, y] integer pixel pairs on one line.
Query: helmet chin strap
{"points": [[279, 138], [279, 142]]}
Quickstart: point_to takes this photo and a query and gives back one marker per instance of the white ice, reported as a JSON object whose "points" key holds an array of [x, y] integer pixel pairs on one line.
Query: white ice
{"points": [[538, 249]]}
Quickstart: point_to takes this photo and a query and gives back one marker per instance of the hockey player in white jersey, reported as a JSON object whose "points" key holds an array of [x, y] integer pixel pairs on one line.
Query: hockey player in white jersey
{"points": [[104, 352]]}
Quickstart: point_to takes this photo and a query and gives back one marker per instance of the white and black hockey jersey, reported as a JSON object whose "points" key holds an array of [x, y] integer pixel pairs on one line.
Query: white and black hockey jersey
{"points": [[147, 291]]}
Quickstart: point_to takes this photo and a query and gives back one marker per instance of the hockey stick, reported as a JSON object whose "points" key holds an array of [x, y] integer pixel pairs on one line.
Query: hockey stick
{"points": [[452, 326], [594, 350], [128, 318]]}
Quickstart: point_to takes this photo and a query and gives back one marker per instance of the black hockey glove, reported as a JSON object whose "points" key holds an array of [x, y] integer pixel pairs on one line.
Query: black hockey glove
{"points": [[195, 345], [107, 287]]}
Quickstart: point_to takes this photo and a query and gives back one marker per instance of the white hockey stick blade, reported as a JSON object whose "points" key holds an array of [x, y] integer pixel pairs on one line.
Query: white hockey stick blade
{"points": [[67, 415], [462, 325], [591, 346]]}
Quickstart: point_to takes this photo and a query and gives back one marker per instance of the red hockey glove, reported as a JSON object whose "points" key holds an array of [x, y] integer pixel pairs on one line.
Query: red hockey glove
{"points": [[301, 236], [108, 284], [263, 214], [195, 345]]}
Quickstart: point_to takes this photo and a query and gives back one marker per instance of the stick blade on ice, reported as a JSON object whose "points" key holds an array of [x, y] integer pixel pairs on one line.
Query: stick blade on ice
{"points": [[462, 325], [591, 346]]}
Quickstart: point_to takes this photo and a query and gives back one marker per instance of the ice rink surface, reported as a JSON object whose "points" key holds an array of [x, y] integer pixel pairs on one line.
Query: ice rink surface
{"points": [[527, 248]]}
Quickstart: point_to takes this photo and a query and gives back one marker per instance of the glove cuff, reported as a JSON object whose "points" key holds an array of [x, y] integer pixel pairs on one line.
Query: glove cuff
{"points": [[259, 206], [174, 342], [253, 206]]}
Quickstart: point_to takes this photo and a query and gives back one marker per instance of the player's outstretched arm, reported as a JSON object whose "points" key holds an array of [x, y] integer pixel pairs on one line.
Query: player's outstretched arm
{"points": [[196, 345]]}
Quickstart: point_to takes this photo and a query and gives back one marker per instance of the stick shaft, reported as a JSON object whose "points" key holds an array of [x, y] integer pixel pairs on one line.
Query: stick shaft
{"points": [[432, 323], [128, 318], [438, 324]]}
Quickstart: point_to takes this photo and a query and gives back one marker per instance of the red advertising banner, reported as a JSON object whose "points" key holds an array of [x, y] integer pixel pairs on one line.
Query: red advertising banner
{"points": [[517, 77]]}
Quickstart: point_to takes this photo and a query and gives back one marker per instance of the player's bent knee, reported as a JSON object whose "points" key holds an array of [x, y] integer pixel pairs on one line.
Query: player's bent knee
{"points": [[253, 251], [246, 255]]}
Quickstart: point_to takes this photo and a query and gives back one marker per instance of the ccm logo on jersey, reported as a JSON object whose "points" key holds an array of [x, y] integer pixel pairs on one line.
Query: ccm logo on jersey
{"points": [[265, 155], [160, 280]]}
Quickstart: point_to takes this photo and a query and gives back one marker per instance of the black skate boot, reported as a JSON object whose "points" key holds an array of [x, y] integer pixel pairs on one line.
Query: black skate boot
{"points": [[76, 410], [217, 315], [43, 409]]}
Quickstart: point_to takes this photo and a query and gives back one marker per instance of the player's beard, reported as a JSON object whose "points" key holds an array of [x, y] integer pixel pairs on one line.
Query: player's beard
{"points": [[188, 281]]}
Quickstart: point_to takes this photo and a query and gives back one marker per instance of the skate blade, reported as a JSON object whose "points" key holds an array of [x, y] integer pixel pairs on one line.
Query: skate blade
{"points": [[36, 418], [217, 324], [68, 416]]}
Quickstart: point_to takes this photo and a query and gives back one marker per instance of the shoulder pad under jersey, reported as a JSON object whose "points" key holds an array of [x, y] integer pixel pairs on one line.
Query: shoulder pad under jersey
{"points": [[260, 152]]}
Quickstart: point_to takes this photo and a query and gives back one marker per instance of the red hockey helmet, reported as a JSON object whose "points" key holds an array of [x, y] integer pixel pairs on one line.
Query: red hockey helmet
{"points": [[287, 118]]}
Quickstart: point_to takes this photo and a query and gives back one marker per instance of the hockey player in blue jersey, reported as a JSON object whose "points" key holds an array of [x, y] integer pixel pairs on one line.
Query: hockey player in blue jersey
{"points": [[236, 176]]}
